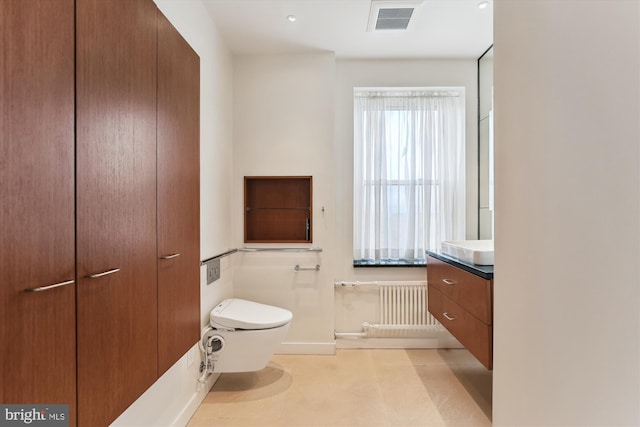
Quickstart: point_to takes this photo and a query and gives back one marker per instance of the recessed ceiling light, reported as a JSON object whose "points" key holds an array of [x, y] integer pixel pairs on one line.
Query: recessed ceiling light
{"points": [[483, 4], [291, 18]]}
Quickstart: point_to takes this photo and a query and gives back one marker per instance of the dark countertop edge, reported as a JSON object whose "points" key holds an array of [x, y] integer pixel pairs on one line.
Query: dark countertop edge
{"points": [[390, 265], [484, 271]]}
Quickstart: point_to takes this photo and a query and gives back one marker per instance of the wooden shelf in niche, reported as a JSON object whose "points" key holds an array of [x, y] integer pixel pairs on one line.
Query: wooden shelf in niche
{"points": [[277, 209]]}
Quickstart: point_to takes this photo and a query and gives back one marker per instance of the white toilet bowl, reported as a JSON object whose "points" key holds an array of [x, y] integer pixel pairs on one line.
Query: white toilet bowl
{"points": [[246, 334]]}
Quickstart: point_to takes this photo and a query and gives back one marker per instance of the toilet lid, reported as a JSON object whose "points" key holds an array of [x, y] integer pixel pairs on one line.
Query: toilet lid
{"points": [[237, 313]]}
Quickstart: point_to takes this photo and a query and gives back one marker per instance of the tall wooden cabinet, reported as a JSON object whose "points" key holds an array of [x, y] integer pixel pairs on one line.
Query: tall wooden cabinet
{"points": [[37, 246], [99, 189], [116, 63], [178, 195]]}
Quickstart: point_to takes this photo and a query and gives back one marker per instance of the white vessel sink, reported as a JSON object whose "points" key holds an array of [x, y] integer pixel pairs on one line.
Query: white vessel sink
{"points": [[479, 252]]}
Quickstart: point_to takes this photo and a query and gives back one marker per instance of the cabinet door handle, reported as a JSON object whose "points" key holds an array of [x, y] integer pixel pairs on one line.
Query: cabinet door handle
{"points": [[446, 315], [46, 288], [176, 255], [105, 273], [449, 281]]}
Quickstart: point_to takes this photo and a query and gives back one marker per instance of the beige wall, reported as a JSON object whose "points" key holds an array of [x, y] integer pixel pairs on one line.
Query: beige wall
{"points": [[283, 125], [284, 115], [567, 242], [567, 329], [293, 115], [389, 73]]}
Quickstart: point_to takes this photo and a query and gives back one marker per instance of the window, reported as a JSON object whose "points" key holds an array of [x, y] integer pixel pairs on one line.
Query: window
{"points": [[409, 181]]}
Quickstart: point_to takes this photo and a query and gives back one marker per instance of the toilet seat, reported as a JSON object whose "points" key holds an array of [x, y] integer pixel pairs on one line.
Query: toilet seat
{"points": [[235, 313]]}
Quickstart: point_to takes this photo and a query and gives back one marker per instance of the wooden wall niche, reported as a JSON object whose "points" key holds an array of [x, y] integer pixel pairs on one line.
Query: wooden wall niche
{"points": [[277, 209]]}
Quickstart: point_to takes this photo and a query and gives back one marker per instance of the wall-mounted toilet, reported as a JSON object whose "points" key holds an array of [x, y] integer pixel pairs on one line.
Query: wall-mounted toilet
{"points": [[246, 334]]}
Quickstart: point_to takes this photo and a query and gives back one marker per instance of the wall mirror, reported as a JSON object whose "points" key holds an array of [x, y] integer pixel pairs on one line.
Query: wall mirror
{"points": [[485, 145]]}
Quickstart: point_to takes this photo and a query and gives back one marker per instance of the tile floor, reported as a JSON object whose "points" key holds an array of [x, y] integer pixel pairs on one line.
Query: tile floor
{"points": [[367, 388]]}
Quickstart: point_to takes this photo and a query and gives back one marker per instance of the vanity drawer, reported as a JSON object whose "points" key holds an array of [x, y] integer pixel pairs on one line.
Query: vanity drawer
{"points": [[471, 292], [475, 335]]}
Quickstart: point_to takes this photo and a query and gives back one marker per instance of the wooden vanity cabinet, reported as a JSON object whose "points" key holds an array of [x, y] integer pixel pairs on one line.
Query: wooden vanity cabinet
{"points": [[463, 302]]}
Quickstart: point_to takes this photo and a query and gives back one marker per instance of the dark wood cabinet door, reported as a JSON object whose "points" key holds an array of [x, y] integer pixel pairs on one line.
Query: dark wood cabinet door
{"points": [[116, 62], [37, 329], [178, 196]]}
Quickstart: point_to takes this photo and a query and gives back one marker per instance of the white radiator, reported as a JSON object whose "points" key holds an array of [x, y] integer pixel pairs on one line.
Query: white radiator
{"points": [[403, 311], [405, 304]]}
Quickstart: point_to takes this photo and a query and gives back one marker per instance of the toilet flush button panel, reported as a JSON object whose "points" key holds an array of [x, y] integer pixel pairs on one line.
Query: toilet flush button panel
{"points": [[213, 270]]}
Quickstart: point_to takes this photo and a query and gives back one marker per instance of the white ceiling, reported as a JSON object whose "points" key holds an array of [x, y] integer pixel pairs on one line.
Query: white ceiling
{"points": [[438, 28]]}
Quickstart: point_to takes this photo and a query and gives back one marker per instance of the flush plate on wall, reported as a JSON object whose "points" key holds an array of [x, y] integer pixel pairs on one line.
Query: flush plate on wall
{"points": [[213, 270]]}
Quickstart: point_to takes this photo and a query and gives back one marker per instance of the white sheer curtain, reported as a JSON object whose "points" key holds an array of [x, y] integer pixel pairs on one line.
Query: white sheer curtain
{"points": [[409, 172]]}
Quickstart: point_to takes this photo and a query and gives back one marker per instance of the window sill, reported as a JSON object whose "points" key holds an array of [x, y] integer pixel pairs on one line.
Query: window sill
{"points": [[389, 263]]}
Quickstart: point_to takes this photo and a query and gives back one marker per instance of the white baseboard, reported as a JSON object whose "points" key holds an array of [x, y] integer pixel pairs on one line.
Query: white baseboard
{"points": [[307, 348], [172, 400], [444, 340], [182, 419], [441, 339]]}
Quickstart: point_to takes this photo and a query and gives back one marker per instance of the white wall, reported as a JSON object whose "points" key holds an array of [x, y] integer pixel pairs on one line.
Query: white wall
{"points": [[567, 248], [274, 115], [389, 73], [354, 306], [284, 112], [174, 397], [283, 125]]}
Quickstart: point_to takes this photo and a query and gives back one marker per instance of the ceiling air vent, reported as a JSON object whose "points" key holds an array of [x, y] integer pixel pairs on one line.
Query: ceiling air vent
{"points": [[394, 19], [390, 14]]}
